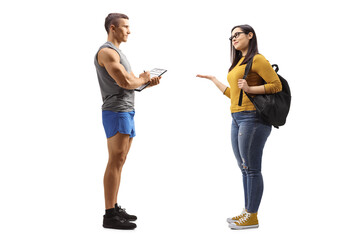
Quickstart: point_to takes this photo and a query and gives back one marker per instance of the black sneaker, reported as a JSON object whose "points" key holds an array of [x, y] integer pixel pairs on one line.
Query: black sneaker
{"points": [[123, 214], [116, 222]]}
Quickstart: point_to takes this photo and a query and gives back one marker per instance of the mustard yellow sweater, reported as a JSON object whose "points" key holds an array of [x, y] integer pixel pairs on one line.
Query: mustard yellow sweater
{"points": [[261, 71]]}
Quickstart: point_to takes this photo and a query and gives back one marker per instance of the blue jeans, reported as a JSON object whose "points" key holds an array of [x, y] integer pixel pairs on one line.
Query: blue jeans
{"points": [[248, 136]]}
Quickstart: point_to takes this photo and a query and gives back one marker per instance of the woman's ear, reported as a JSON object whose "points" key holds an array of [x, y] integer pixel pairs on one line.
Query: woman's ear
{"points": [[250, 35]]}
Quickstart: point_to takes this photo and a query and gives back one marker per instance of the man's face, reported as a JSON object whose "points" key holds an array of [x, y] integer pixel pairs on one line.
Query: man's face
{"points": [[122, 31]]}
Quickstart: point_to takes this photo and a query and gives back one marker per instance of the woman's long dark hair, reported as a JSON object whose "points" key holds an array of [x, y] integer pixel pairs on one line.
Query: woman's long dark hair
{"points": [[236, 55]]}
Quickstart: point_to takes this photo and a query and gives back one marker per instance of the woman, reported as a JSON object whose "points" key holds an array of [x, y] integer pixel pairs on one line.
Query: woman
{"points": [[248, 132]]}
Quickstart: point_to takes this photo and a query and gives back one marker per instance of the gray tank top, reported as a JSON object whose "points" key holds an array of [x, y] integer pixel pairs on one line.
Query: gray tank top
{"points": [[114, 97]]}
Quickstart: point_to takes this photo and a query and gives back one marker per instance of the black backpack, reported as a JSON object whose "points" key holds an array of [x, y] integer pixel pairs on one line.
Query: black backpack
{"points": [[272, 108]]}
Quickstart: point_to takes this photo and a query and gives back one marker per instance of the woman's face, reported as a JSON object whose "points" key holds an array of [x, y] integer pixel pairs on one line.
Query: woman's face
{"points": [[240, 40]]}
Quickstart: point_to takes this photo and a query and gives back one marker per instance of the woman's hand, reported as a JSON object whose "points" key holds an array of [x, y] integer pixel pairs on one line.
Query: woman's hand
{"points": [[218, 84], [212, 78], [242, 84]]}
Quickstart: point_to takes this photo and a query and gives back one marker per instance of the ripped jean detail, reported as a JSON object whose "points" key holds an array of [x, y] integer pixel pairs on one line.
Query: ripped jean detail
{"points": [[248, 137]]}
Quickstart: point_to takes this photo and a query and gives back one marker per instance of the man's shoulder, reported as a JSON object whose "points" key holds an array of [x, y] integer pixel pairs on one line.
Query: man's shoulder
{"points": [[109, 54], [108, 50]]}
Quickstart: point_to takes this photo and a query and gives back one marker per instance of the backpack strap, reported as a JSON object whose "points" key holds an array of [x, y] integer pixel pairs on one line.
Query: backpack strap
{"points": [[276, 67], [247, 70]]}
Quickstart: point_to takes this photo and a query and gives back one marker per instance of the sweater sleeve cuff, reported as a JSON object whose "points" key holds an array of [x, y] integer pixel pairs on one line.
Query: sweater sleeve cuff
{"points": [[272, 88], [227, 92]]}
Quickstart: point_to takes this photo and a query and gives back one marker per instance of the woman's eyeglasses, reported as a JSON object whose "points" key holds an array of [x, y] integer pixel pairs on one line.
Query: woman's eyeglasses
{"points": [[236, 35]]}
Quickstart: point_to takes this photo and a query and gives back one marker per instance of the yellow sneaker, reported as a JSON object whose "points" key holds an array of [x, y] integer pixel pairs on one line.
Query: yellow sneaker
{"points": [[237, 218], [248, 221]]}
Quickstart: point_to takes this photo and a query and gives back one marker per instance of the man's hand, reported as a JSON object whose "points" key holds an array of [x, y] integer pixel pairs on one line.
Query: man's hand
{"points": [[145, 76], [154, 81]]}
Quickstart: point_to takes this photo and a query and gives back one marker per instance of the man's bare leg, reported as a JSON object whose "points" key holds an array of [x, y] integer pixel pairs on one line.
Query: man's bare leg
{"points": [[118, 147], [117, 191]]}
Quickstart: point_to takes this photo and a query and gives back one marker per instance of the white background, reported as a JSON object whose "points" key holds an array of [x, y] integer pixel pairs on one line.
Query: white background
{"points": [[181, 177]]}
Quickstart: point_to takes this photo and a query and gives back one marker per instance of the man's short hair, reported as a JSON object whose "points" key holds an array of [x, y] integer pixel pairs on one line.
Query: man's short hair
{"points": [[113, 19]]}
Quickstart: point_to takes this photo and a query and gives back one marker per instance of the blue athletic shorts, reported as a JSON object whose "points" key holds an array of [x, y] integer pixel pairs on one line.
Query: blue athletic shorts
{"points": [[122, 122]]}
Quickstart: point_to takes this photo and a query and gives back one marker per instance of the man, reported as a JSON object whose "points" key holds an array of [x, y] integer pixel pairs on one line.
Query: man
{"points": [[117, 84]]}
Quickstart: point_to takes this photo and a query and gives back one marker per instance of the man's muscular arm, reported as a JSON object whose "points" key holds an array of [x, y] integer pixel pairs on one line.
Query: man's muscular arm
{"points": [[110, 59]]}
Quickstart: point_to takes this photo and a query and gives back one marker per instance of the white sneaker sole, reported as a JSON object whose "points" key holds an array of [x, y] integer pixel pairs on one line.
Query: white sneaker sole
{"points": [[236, 227]]}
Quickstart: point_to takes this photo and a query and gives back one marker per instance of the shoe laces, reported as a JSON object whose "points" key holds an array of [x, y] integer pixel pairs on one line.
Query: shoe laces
{"points": [[244, 219], [122, 210]]}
